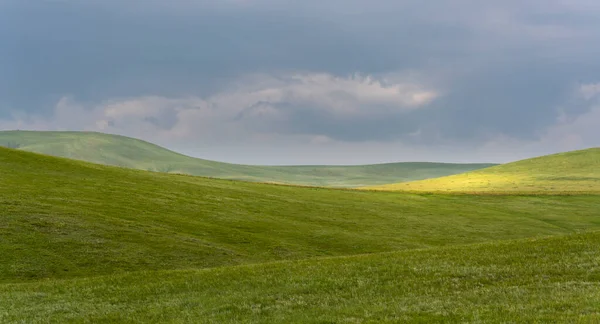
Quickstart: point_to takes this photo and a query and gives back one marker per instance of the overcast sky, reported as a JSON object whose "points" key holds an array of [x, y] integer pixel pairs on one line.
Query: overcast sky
{"points": [[305, 82]]}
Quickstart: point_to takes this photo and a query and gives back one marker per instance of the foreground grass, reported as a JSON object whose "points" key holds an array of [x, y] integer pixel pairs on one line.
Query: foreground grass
{"points": [[61, 218], [136, 154], [570, 172], [543, 280]]}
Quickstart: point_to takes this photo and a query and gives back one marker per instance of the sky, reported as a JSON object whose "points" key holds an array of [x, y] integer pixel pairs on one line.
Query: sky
{"points": [[309, 82]]}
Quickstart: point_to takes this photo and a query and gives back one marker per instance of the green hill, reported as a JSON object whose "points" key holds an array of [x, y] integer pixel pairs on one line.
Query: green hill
{"points": [[576, 171], [65, 218], [132, 153], [91, 243]]}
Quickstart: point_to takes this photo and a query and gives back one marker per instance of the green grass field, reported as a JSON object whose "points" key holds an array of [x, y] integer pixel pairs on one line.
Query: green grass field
{"points": [[570, 172], [84, 242], [550, 280], [136, 154]]}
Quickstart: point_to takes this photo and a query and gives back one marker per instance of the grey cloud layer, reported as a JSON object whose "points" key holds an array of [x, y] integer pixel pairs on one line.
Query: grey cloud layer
{"points": [[482, 70], [300, 104]]}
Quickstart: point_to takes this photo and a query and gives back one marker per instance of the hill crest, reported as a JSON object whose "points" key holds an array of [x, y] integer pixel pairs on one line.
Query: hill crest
{"points": [[133, 153]]}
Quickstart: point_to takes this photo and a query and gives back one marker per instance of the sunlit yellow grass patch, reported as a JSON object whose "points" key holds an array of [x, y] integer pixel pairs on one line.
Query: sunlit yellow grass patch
{"points": [[577, 171]]}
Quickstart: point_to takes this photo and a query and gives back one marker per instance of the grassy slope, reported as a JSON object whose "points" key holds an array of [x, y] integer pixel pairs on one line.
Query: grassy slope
{"points": [[141, 239], [62, 218], [545, 280], [133, 153], [577, 171]]}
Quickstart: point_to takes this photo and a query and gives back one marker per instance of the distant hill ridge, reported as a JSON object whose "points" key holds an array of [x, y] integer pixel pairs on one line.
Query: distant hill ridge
{"points": [[575, 171], [133, 153]]}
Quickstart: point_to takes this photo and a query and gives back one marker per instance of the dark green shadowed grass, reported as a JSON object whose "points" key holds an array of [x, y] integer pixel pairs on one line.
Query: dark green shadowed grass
{"points": [[545, 280]]}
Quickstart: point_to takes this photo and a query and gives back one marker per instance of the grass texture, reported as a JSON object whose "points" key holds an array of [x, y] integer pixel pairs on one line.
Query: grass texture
{"points": [[550, 280], [84, 242], [63, 218]]}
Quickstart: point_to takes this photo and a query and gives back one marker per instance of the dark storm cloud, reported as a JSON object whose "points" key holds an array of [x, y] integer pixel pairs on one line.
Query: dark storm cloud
{"points": [[94, 51], [506, 68]]}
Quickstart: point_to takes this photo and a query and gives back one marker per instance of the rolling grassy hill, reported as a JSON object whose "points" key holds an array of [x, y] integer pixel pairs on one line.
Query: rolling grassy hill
{"points": [[570, 172], [86, 242], [65, 218], [132, 153]]}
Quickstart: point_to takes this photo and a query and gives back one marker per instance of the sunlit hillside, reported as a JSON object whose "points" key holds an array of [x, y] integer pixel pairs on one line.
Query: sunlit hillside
{"points": [[570, 172]]}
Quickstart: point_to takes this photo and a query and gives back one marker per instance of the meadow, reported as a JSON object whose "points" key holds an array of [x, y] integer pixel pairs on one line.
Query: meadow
{"points": [[545, 280], [84, 242]]}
